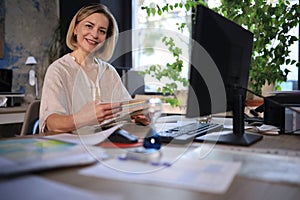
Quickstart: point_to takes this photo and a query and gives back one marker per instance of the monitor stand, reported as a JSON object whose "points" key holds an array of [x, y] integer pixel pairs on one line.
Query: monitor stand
{"points": [[238, 136]]}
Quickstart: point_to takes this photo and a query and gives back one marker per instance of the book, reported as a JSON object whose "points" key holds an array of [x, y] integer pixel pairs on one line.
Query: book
{"points": [[21, 155], [128, 108], [133, 106]]}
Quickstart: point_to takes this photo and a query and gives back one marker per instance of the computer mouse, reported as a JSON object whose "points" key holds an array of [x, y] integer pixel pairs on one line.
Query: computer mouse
{"points": [[122, 136]]}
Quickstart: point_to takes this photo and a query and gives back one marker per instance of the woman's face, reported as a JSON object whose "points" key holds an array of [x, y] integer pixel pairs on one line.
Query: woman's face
{"points": [[91, 32]]}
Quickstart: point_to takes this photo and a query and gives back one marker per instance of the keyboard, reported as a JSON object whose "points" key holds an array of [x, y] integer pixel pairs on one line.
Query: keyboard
{"points": [[187, 133]]}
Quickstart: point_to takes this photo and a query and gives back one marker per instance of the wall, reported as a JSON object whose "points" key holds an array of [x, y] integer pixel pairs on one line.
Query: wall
{"points": [[29, 26]]}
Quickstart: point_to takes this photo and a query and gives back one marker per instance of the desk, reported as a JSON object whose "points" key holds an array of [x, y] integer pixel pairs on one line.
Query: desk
{"points": [[11, 120], [11, 115], [243, 187]]}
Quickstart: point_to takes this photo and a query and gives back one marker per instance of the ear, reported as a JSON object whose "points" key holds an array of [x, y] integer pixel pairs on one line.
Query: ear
{"points": [[75, 30]]}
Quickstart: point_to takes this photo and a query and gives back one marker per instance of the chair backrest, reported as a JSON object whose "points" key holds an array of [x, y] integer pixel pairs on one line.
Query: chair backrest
{"points": [[135, 83], [30, 124]]}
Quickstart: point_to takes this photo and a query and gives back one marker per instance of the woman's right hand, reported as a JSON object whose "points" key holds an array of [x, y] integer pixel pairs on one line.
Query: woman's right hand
{"points": [[94, 113], [91, 114]]}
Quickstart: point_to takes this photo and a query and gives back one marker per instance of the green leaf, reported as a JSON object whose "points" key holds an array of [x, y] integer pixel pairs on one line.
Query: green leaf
{"points": [[153, 11], [266, 21]]}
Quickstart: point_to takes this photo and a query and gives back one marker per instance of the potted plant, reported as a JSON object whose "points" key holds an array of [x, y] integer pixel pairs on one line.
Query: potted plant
{"points": [[270, 24], [172, 71]]}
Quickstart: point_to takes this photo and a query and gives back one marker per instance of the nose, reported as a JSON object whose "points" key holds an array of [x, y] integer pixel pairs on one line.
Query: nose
{"points": [[95, 33]]}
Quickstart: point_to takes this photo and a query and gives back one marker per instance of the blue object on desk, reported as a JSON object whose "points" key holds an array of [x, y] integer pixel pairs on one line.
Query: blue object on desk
{"points": [[152, 140]]}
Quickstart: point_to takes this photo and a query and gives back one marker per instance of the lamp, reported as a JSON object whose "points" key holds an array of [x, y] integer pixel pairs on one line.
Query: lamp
{"points": [[32, 74], [30, 61]]}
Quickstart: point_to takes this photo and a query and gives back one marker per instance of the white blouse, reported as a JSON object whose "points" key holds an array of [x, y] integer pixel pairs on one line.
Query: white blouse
{"points": [[67, 88]]}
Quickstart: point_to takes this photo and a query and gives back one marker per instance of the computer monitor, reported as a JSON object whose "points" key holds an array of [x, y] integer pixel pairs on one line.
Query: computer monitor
{"points": [[5, 80], [219, 73]]}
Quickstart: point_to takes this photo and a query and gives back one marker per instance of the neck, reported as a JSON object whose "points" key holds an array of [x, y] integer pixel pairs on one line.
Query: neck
{"points": [[79, 57]]}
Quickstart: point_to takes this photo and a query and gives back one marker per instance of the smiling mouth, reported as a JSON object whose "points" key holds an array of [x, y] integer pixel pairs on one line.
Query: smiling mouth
{"points": [[92, 42]]}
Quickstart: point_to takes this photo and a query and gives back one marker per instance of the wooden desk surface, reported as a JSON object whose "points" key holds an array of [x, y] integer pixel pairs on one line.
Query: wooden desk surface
{"points": [[243, 186]]}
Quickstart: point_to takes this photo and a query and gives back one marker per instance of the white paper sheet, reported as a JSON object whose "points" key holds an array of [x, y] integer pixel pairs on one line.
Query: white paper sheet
{"points": [[266, 164], [200, 175], [36, 188], [88, 139]]}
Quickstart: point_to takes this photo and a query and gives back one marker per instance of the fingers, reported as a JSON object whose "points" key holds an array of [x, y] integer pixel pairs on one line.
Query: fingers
{"points": [[109, 106], [140, 119], [94, 113], [106, 111]]}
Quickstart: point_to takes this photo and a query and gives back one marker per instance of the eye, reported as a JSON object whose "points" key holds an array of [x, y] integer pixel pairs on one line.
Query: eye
{"points": [[89, 26], [102, 31]]}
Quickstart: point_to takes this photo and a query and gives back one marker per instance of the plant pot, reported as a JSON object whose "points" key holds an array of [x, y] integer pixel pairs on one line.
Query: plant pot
{"points": [[267, 88], [254, 100], [181, 95]]}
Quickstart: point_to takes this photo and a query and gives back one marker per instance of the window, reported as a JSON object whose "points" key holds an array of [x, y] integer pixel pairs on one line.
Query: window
{"points": [[148, 48], [292, 79]]}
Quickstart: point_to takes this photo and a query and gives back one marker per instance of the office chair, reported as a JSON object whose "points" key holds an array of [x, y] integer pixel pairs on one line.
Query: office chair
{"points": [[135, 83], [31, 119]]}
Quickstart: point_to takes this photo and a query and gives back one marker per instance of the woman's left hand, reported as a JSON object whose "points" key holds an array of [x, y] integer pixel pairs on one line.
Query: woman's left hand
{"points": [[140, 119]]}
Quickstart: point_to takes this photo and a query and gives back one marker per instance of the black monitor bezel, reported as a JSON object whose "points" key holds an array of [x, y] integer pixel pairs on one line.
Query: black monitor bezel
{"points": [[231, 35]]}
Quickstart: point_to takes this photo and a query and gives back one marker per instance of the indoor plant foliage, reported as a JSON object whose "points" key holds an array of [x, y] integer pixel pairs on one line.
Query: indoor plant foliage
{"points": [[269, 22], [172, 71]]}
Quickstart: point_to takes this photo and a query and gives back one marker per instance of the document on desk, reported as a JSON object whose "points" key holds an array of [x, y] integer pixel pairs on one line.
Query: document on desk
{"points": [[128, 108], [21, 155], [266, 164], [86, 139], [34, 187], [190, 174]]}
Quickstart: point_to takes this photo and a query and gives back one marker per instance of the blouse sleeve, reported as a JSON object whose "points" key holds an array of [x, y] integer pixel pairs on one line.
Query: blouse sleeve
{"points": [[54, 96]]}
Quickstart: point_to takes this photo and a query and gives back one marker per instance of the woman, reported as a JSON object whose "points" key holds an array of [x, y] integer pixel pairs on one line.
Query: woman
{"points": [[80, 88]]}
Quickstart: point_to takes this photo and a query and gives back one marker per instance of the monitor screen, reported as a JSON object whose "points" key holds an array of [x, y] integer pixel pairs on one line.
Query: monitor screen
{"points": [[6, 80], [220, 63]]}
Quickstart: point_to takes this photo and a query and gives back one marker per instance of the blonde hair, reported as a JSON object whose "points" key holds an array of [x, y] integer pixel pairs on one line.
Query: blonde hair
{"points": [[106, 51]]}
